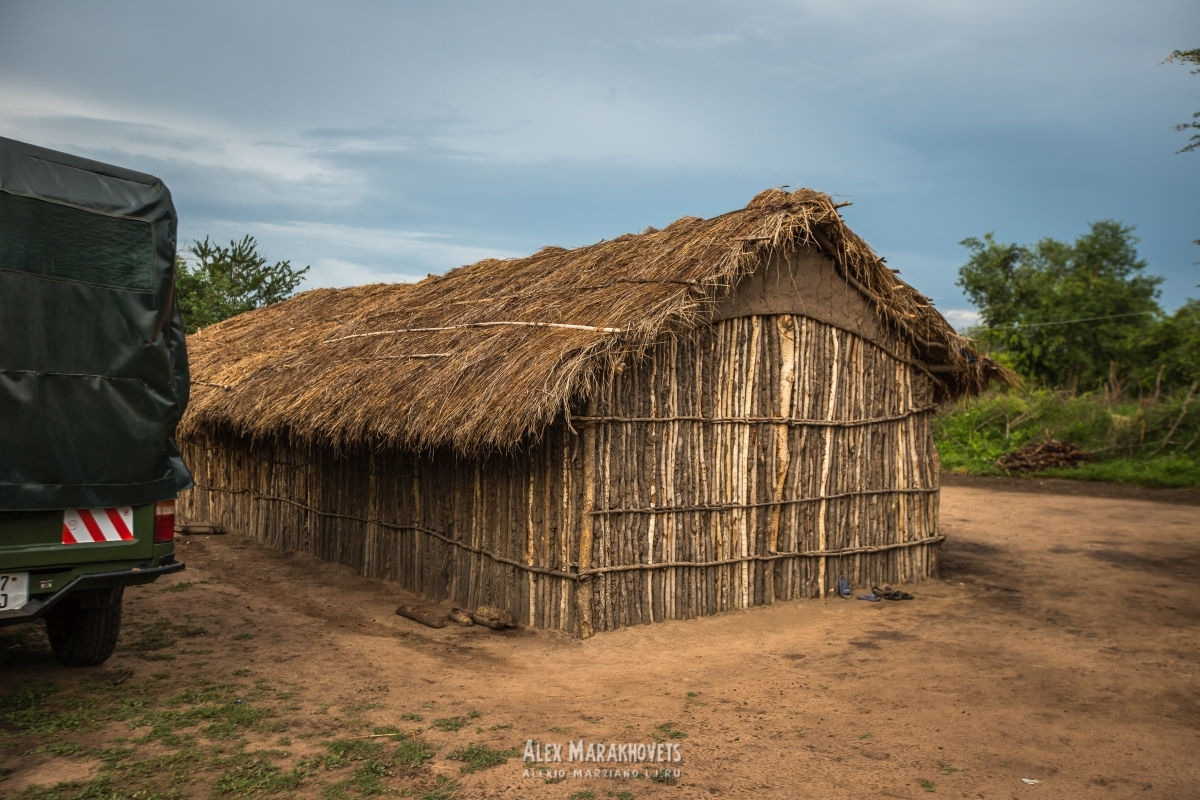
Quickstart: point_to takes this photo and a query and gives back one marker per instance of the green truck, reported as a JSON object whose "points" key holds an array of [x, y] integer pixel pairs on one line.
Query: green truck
{"points": [[93, 380]]}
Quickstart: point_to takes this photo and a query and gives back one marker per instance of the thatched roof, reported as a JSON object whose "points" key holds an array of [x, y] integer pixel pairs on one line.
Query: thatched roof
{"points": [[488, 354]]}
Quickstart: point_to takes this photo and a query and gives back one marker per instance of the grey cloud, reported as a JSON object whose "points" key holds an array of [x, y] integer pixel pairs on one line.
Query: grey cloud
{"points": [[503, 127]]}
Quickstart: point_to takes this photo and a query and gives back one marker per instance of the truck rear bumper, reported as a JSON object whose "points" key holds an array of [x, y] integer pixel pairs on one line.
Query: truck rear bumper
{"points": [[39, 607]]}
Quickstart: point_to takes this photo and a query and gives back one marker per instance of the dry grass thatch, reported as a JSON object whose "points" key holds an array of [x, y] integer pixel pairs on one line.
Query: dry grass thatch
{"points": [[489, 354]]}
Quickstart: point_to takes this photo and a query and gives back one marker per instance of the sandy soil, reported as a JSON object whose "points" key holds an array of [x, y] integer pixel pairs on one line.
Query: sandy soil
{"points": [[1060, 644]]}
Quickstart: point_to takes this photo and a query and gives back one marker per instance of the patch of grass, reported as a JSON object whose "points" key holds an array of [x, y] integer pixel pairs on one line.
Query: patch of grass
{"points": [[449, 724], [190, 631], [444, 789], [171, 771], [411, 755], [242, 637], [255, 775], [62, 748], [864, 736], [155, 636], [1161, 471], [204, 691], [508, 726], [948, 769], [621, 795], [211, 706], [665, 776], [1126, 439], [374, 764], [344, 751], [353, 708], [586, 794], [667, 730], [928, 786], [101, 788], [478, 757], [556, 779], [180, 587], [411, 717], [559, 728], [30, 710], [367, 781]]}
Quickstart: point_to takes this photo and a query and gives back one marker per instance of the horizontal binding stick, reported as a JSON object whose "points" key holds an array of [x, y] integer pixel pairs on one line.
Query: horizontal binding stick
{"points": [[478, 325], [849, 551], [411, 355], [765, 504], [290, 464], [848, 423], [401, 526], [573, 576]]}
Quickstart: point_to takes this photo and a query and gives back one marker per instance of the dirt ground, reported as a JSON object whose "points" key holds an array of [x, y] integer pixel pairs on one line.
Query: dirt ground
{"points": [[1060, 645]]}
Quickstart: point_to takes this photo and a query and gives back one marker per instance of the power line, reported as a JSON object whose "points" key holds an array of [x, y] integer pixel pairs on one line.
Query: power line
{"points": [[1063, 321]]}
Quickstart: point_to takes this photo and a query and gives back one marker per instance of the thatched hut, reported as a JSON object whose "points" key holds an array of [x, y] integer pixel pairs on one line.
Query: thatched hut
{"points": [[720, 414]]}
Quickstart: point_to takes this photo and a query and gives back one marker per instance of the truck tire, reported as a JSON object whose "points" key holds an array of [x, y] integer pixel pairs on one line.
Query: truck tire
{"points": [[84, 627]]}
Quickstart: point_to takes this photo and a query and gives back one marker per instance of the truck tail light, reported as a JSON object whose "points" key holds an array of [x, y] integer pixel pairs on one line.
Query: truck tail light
{"points": [[164, 522]]}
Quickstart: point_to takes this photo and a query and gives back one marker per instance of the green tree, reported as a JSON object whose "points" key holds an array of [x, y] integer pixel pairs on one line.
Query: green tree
{"points": [[1172, 348], [1064, 313], [1188, 57], [221, 282]]}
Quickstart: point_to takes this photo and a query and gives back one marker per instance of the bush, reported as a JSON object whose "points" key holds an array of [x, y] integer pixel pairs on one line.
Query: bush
{"points": [[1144, 442]]}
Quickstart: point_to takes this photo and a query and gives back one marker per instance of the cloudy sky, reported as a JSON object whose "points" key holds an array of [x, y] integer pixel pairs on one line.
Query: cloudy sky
{"points": [[387, 140]]}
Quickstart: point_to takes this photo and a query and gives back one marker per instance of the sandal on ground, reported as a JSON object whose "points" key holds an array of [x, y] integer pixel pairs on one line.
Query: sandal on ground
{"points": [[870, 598], [888, 593], [844, 588]]}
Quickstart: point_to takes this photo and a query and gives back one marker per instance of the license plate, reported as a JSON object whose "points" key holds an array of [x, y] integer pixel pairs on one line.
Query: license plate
{"points": [[14, 591]]}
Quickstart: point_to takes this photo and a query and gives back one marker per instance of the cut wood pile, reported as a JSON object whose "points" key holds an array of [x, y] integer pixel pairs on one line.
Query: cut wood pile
{"points": [[1037, 456]]}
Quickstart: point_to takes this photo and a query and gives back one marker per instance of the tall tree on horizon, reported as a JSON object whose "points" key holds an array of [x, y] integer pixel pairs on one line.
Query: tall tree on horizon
{"points": [[1188, 57], [1063, 312], [220, 282]]}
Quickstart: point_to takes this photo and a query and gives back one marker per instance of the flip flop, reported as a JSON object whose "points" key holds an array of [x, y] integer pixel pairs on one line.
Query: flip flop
{"points": [[844, 588], [870, 598]]}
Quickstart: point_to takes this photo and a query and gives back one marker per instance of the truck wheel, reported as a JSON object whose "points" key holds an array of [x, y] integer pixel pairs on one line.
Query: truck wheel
{"points": [[84, 627]]}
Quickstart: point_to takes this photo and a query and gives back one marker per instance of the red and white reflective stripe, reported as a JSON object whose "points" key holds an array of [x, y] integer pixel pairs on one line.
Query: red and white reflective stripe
{"points": [[86, 525]]}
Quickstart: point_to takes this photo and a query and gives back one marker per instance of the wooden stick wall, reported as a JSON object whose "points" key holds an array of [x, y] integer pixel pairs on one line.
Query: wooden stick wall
{"points": [[783, 443]]}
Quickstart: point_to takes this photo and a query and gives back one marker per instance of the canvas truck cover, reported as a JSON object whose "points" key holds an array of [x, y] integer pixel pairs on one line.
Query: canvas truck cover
{"points": [[93, 366]]}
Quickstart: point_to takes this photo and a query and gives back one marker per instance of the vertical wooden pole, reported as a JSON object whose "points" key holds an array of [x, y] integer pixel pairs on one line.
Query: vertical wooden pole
{"points": [[786, 326], [822, 533], [787, 384], [583, 591]]}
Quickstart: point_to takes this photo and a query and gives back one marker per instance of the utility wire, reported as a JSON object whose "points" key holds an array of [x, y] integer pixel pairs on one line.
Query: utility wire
{"points": [[1063, 321]]}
